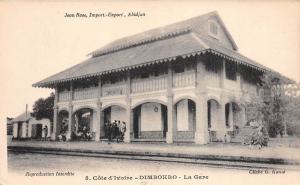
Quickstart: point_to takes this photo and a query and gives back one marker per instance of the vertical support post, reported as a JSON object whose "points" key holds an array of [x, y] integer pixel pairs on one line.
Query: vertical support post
{"points": [[128, 133], [221, 131], [68, 137], [243, 116], [99, 111], [70, 122], [55, 115], [99, 120], [71, 92], [238, 80], [55, 119], [171, 120], [201, 134], [223, 74], [170, 107]]}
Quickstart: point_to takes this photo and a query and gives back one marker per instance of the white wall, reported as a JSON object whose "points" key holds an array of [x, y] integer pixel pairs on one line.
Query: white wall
{"points": [[94, 121], [44, 122], [151, 119], [182, 116], [214, 116], [118, 113], [24, 130], [15, 130]]}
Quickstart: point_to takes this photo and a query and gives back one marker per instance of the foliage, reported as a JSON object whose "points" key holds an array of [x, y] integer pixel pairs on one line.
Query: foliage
{"points": [[275, 107], [43, 108], [292, 116]]}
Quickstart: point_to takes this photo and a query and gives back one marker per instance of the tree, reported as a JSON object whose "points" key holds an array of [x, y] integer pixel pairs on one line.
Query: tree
{"points": [[43, 108], [275, 107], [292, 115]]}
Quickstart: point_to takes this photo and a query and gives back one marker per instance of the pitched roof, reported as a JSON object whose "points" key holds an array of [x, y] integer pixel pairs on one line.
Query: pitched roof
{"points": [[22, 117], [157, 45]]}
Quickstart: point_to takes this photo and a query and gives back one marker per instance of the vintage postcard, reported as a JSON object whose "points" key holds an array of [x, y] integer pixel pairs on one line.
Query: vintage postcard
{"points": [[150, 92]]}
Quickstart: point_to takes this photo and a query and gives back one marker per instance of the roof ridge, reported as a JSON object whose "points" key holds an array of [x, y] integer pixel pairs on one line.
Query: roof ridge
{"points": [[187, 23], [163, 36]]}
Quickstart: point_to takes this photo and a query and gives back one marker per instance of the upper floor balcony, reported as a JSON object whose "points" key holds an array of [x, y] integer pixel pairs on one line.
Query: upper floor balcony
{"points": [[158, 83], [213, 80], [114, 89], [149, 84], [85, 93], [64, 96], [186, 79]]}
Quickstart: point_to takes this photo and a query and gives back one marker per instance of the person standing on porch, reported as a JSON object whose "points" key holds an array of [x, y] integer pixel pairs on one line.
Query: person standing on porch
{"points": [[122, 130], [45, 132]]}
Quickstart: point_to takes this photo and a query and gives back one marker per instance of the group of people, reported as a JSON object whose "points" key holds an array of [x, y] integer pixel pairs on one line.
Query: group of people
{"points": [[82, 134], [115, 130]]}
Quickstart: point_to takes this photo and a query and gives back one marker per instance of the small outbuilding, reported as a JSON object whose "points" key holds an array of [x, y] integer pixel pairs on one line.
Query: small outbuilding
{"points": [[27, 127]]}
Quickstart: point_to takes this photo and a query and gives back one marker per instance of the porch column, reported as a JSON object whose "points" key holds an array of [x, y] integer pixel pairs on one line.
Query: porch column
{"points": [[170, 132], [68, 136], [201, 134], [223, 75], [171, 120], [99, 111], [129, 113], [129, 117], [55, 117], [243, 118], [222, 121], [70, 122], [99, 120]]}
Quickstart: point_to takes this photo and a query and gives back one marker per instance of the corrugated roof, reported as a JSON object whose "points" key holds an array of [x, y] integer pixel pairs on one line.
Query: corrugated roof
{"points": [[158, 51], [22, 118], [160, 32], [156, 45]]}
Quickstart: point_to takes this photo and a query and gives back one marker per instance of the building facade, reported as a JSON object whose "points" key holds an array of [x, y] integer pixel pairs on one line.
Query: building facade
{"points": [[26, 127], [185, 82]]}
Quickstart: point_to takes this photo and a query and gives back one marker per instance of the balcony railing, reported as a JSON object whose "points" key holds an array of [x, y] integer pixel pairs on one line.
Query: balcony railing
{"points": [[212, 79], [151, 84], [64, 96], [113, 89], [184, 79], [86, 93]]}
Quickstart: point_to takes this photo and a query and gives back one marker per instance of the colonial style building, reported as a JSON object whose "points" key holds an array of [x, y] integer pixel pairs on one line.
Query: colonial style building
{"points": [[185, 82]]}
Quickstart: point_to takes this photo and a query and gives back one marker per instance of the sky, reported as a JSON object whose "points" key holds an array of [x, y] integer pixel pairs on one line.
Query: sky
{"points": [[38, 41]]}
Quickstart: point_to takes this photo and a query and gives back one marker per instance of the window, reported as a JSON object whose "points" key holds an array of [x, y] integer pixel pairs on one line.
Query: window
{"points": [[213, 29]]}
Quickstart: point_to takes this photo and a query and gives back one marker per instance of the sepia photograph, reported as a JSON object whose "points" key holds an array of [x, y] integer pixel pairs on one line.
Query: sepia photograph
{"points": [[153, 92]]}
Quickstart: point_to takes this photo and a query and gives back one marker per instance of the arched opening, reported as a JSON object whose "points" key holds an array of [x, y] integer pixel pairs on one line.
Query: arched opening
{"points": [[150, 121], [83, 124], [215, 127], [185, 111], [112, 115]]}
